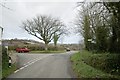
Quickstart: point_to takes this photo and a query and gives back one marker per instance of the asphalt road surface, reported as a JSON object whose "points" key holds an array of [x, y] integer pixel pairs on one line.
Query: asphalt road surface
{"points": [[44, 66]]}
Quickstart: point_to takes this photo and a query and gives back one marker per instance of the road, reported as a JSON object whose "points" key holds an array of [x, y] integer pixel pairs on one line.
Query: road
{"points": [[44, 66]]}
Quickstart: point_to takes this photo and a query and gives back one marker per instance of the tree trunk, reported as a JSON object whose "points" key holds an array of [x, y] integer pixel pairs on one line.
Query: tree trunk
{"points": [[55, 46], [46, 46]]}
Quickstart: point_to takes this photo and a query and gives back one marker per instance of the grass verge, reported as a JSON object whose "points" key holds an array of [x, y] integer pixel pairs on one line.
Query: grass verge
{"points": [[84, 70], [46, 52], [7, 71]]}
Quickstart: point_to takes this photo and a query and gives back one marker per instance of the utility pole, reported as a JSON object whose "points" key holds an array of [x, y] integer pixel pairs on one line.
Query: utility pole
{"points": [[1, 32]]}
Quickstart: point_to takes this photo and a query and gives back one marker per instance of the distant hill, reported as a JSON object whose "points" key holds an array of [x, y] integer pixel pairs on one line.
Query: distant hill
{"points": [[13, 42], [73, 46]]}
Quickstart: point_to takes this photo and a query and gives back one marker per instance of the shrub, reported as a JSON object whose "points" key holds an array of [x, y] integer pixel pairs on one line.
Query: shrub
{"points": [[113, 64], [4, 58], [109, 63]]}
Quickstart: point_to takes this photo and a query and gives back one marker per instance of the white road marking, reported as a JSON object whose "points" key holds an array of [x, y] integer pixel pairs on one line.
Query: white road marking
{"points": [[30, 63], [16, 71]]}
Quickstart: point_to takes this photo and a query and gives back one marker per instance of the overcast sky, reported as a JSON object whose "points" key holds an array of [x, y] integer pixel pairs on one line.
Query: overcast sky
{"points": [[21, 10]]}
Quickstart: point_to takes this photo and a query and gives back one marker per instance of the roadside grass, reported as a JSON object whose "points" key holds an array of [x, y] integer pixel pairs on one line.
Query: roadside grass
{"points": [[46, 52], [7, 71], [85, 70]]}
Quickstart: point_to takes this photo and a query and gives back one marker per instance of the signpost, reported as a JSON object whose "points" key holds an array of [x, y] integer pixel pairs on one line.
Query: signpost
{"points": [[89, 40], [91, 43]]}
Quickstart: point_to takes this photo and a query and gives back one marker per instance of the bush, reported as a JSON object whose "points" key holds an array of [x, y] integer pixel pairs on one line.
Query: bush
{"points": [[6, 70], [52, 48], [86, 72], [35, 47], [5, 58], [109, 63], [113, 64]]}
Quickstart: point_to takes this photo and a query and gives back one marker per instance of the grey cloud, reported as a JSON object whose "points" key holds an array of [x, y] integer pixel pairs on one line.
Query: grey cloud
{"points": [[26, 10]]}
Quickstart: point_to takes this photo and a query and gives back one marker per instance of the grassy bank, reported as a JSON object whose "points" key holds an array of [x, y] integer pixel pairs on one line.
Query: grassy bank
{"points": [[46, 52], [7, 71], [5, 59], [87, 66]]}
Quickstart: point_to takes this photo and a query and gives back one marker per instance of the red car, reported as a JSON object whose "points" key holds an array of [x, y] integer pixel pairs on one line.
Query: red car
{"points": [[22, 50]]}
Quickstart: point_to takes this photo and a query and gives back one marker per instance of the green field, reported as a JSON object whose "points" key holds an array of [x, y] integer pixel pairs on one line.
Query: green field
{"points": [[83, 65], [46, 52]]}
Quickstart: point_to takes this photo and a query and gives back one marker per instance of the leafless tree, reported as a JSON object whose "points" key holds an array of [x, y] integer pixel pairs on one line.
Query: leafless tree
{"points": [[3, 4], [43, 27]]}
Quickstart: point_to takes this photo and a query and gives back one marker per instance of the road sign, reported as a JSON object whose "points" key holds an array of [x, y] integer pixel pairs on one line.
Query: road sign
{"points": [[89, 39]]}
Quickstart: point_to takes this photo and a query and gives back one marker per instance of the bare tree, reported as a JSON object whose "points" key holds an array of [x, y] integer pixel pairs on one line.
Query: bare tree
{"points": [[92, 23], [2, 4], [43, 27]]}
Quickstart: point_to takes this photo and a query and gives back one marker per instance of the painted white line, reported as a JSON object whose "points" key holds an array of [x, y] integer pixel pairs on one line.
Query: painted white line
{"points": [[21, 68], [34, 60], [30, 63], [16, 71]]}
